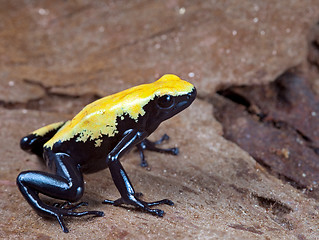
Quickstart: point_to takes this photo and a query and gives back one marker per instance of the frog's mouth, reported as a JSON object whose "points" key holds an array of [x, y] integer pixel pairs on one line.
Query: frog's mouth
{"points": [[186, 100]]}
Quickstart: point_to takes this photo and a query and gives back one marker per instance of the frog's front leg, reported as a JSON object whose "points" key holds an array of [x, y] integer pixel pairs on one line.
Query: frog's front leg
{"points": [[151, 146], [121, 180], [66, 184]]}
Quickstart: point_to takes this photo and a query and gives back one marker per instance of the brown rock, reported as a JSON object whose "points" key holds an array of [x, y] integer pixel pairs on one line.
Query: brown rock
{"points": [[278, 125], [92, 47]]}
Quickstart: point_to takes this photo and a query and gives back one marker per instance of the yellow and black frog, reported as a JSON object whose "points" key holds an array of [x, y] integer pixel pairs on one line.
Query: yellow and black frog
{"points": [[95, 139]]}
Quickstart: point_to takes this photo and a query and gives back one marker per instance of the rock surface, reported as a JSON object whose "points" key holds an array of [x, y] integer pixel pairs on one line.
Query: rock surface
{"points": [[277, 124], [56, 56]]}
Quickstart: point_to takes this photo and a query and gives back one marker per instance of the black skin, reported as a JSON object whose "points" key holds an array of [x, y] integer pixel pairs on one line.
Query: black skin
{"points": [[68, 161]]}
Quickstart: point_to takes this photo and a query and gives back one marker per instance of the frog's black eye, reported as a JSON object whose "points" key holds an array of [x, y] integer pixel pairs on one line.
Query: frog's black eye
{"points": [[165, 101]]}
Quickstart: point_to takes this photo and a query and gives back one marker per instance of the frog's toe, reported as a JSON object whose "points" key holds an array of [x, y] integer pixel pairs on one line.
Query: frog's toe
{"points": [[173, 151], [62, 224], [165, 137], [117, 202], [75, 206], [159, 212], [80, 214], [63, 212], [163, 201], [69, 206]]}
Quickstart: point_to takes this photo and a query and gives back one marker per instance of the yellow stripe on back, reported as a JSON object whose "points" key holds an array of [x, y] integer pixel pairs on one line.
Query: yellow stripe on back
{"points": [[44, 130], [99, 118]]}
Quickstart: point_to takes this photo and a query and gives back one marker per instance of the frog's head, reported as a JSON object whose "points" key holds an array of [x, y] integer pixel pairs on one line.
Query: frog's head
{"points": [[146, 105], [171, 95]]}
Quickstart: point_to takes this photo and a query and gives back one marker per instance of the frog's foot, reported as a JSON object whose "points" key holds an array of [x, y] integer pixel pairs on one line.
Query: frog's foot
{"points": [[62, 212], [145, 206], [151, 146], [69, 206]]}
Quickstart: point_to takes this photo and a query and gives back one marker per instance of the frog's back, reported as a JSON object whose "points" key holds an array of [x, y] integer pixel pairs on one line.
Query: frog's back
{"points": [[99, 118]]}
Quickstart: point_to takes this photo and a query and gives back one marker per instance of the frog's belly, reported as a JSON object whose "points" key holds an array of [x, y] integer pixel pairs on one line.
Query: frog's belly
{"points": [[90, 157], [94, 165]]}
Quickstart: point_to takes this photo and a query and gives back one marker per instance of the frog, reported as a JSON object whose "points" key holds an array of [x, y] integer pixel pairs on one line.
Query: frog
{"points": [[96, 139]]}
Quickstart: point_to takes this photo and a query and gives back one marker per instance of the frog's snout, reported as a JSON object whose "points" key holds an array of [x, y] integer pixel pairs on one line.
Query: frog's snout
{"points": [[192, 95]]}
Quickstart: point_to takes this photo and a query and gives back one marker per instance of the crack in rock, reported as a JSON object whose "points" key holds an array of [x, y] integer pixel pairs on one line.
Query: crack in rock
{"points": [[278, 125]]}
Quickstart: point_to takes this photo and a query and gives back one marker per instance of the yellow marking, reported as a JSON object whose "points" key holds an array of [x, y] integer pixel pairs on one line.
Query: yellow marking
{"points": [[44, 130], [99, 118], [98, 142]]}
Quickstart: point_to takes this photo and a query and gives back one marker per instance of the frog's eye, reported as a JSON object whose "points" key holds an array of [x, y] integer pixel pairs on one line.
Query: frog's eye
{"points": [[165, 101]]}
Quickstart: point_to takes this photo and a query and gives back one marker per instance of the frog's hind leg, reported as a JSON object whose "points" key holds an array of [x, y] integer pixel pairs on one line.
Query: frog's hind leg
{"points": [[34, 141], [151, 146], [66, 184]]}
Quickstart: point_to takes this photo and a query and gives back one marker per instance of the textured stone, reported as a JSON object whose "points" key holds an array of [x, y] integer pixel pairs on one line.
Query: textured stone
{"points": [[89, 47], [277, 124]]}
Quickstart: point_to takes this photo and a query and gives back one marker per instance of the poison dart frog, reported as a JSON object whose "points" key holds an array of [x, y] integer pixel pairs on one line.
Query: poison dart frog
{"points": [[95, 139]]}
